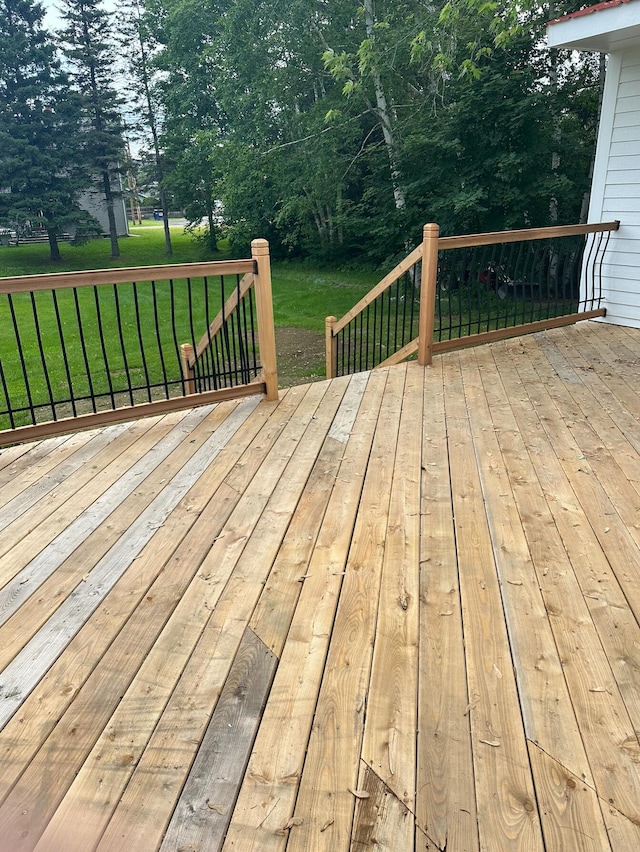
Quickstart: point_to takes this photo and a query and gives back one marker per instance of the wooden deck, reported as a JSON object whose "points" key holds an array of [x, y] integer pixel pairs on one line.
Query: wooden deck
{"points": [[396, 610]]}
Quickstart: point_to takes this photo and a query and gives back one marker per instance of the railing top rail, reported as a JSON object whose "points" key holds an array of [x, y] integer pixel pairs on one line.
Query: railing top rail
{"points": [[124, 275], [491, 238]]}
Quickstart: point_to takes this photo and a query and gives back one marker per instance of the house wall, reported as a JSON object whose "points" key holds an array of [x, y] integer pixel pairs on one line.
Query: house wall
{"points": [[616, 186], [93, 201]]}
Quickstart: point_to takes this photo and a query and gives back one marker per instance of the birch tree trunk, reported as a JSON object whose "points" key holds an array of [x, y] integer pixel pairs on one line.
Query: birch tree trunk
{"points": [[386, 114]]}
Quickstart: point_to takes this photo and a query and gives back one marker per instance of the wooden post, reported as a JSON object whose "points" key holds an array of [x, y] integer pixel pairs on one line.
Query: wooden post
{"points": [[264, 308], [330, 348], [431, 234], [188, 373]]}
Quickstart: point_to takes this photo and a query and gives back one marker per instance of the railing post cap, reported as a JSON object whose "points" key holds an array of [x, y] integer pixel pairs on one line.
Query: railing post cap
{"points": [[260, 246], [330, 320], [431, 227]]}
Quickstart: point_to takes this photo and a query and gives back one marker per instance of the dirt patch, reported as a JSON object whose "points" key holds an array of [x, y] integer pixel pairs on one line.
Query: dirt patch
{"points": [[300, 354]]}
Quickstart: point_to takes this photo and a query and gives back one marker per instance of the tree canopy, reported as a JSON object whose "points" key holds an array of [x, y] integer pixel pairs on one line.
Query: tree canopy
{"points": [[338, 129]]}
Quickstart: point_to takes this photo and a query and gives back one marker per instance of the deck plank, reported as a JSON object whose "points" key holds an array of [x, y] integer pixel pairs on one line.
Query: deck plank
{"points": [[31, 575], [544, 697], [22, 542], [20, 456], [268, 795], [381, 820], [331, 766], [507, 811], [38, 654], [96, 473], [572, 818], [602, 717], [97, 666], [25, 473], [29, 605], [389, 744], [446, 803], [277, 604], [204, 809], [235, 571]]}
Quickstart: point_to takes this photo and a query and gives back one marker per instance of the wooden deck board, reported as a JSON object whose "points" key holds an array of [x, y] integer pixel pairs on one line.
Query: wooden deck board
{"points": [[398, 610]]}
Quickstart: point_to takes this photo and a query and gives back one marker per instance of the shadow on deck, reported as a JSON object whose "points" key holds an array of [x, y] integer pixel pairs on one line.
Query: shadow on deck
{"points": [[397, 609]]}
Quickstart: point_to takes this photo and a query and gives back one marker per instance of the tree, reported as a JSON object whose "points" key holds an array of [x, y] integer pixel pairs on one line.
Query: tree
{"points": [[342, 127], [40, 132], [136, 32], [88, 47]]}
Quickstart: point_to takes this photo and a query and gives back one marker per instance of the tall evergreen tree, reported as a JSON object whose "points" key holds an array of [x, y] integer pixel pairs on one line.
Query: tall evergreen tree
{"points": [[87, 43], [40, 176], [140, 46]]}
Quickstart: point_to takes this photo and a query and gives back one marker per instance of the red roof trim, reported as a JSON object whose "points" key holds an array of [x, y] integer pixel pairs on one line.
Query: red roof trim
{"points": [[608, 4]]}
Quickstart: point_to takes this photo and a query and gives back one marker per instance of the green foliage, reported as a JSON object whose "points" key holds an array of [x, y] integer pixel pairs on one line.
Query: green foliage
{"points": [[337, 130], [88, 46], [41, 173]]}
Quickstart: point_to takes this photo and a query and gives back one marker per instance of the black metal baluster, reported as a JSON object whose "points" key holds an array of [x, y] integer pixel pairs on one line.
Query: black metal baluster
{"points": [[244, 361], [143, 354], [83, 346], [207, 356], [194, 344], [43, 360], [23, 366], [253, 331], [103, 348], [181, 381], [163, 366], [123, 350], [5, 390], [63, 350]]}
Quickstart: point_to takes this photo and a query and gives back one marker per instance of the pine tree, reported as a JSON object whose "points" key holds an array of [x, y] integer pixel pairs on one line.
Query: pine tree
{"points": [[40, 133], [140, 45], [88, 46]]}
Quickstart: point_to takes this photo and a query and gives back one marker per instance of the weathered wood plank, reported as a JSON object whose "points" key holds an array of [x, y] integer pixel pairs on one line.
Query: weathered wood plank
{"points": [[21, 456], [381, 820], [269, 790], [24, 515], [446, 802], [24, 539], [571, 815], [95, 685], [28, 579], [18, 477], [78, 464], [272, 617], [331, 766], [218, 606], [507, 812], [205, 806], [389, 744], [40, 651]]}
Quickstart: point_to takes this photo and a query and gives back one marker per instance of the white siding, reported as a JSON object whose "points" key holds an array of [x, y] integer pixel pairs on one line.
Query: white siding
{"points": [[616, 186]]}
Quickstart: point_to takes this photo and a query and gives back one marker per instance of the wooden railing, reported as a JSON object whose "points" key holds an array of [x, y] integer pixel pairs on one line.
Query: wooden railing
{"points": [[452, 292], [84, 349]]}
